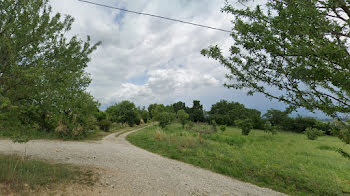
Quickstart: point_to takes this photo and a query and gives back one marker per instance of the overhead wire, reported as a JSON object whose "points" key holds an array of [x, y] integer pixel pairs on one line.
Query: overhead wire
{"points": [[156, 16]]}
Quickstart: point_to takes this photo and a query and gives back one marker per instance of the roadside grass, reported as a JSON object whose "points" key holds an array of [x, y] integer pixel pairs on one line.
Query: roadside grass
{"points": [[30, 134], [286, 162], [97, 135], [93, 135], [131, 129], [18, 175]]}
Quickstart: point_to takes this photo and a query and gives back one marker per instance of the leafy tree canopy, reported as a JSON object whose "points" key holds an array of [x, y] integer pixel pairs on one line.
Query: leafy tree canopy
{"points": [[179, 106], [42, 76], [182, 117], [298, 47], [196, 112], [124, 112]]}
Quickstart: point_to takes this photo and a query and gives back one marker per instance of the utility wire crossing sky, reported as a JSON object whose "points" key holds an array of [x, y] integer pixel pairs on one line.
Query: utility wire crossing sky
{"points": [[156, 16]]}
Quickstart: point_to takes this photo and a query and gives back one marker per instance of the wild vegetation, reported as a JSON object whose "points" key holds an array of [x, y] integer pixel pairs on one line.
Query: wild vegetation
{"points": [[286, 162], [21, 175], [299, 48]]}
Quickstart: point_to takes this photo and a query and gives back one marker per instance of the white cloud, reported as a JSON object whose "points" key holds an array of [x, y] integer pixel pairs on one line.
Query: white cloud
{"points": [[164, 54]]}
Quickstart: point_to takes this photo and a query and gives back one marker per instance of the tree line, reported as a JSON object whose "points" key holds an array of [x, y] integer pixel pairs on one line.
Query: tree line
{"points": [[221, 113]]}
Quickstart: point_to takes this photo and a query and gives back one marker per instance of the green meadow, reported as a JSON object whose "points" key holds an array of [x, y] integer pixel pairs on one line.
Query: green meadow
{"points": [[286, 162]]}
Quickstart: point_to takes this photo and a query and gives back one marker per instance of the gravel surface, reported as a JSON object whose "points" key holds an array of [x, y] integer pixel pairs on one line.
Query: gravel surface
{"points": [[129, 170]]}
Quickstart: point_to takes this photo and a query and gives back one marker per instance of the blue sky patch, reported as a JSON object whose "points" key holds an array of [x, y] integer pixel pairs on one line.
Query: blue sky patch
{"points": [[139, 80]]}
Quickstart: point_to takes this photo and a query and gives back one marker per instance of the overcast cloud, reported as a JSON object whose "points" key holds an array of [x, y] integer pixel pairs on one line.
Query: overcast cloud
{"points": [[149, 60]]}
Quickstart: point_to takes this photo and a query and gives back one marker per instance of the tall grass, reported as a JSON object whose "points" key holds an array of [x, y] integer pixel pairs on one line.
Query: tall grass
{"points": [[30, 134], [17, 174], [285, 162]]}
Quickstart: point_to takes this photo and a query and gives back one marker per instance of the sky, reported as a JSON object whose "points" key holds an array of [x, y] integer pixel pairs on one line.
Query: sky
{"points": [[149, 60]]}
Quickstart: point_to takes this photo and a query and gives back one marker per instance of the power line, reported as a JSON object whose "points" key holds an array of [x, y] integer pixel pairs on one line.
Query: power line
{"points": [[152, 15]]}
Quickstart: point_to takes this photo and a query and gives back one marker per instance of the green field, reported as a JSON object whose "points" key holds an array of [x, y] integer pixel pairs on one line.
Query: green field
{"points": [[19, 175], [286, 162]]}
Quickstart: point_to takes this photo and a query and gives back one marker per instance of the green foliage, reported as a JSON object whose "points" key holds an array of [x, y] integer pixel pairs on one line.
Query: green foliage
{"points": [[342, 131], [42, 73], [102, 121], [182, 116], [124, 112], [299, 124], [300, 48], [164, 118], [144, 115], [268, 128], [150, 108], [179, 106], [189, 125], [276, 117], [286, 162], [223, 128], [214, 125], [246, 126], [226, 113], [159, 108], [313, 133], [196, 112], [105, 125]]}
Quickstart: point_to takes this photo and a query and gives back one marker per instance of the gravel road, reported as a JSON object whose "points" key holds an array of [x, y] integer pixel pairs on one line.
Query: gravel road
{"points": [[129, 170]]}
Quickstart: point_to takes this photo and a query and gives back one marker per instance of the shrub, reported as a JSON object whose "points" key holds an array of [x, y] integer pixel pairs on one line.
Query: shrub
{"points": [[325, 127], [182, 117], [190, 125], [245, 125], [214, 126], [105, 125], [268, 128], [313, 133], [223, 128], [165, 118]]}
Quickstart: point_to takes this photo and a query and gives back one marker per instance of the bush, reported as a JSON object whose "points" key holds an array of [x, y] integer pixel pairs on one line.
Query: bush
{"points": [[214, 126], [268, 128], [223, 128], [245, 125], [325, 127], [105, 125], [165, 118], [313, 133], [182, 117], [190, 125]]}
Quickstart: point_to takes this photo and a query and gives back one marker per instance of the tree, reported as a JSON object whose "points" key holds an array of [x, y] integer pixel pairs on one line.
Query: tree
{"points": [[143, 114], [246, 126], [179, 106], [226, 113], [196, 112], [300, 48], [124, 112], [183, 117], [276, 117], [42, 73], [165, 118], [150, 108]]}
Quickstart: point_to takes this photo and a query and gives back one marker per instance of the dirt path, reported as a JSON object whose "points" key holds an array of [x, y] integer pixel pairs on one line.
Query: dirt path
{"points": [[129, 170]]}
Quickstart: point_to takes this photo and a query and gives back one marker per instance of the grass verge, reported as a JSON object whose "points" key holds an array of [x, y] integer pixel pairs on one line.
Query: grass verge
{"points": [[286, 162], [18, 175], [130, 129], [97, 135]]}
